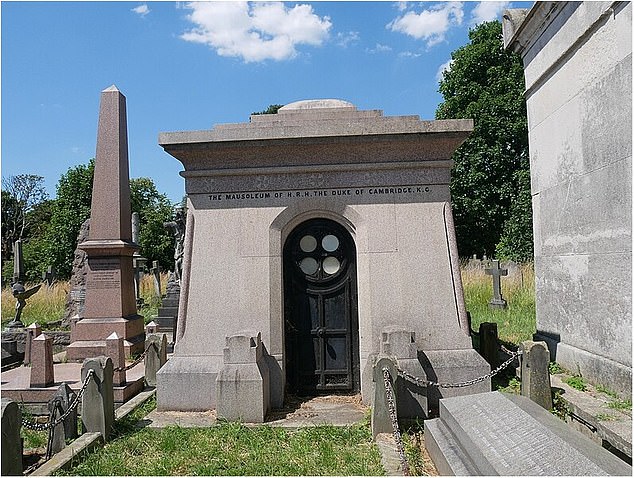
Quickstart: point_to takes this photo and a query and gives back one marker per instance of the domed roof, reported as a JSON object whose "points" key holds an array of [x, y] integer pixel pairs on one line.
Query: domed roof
{"points": [[317, 104]]}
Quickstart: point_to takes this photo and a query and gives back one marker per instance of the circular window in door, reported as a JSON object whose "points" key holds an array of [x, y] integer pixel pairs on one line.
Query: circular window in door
{"points": [[320, 308]]}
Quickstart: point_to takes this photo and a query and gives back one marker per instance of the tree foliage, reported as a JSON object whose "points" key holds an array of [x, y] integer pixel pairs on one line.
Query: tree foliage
{"points": [[271, 110], [490, 184], [20, 195]]}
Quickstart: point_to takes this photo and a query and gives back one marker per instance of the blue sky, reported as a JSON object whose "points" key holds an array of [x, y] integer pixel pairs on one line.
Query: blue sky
{"points": [[188, 66]]}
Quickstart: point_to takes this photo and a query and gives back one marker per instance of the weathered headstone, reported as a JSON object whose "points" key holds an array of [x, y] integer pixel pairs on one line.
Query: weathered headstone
{"points": [[110, 302], [489, 343], [156, 346], [381, 420], [67, 429], [97, 406], [498, 434], [76, 299], [49, 276], [156, 276], [534, 374], [242, 385], [11, 441], [497, 302], [32, 331], [42, 372]]}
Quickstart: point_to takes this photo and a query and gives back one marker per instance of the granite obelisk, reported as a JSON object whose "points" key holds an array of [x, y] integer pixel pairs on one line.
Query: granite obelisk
{"points": [[110, 299]]}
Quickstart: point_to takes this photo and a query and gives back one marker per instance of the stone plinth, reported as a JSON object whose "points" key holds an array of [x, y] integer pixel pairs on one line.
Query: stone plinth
{"points": [[42, 374], [242, 385], [110, 304], [32, 331]]}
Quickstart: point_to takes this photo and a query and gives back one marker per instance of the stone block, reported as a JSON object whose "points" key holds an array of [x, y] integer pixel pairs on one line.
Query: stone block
{"points": [[534, 373], [32, 331], [11, 441], [497, 434], [156, 346], [194, 374], [243, 385], [42, 372], [97, 413], [115, 350], [398, 343]]}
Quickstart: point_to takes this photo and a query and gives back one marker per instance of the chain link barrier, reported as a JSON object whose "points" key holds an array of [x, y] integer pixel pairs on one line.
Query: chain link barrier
{"points": [[389, 398], [136, 362], [52, 423], [430, 383]]}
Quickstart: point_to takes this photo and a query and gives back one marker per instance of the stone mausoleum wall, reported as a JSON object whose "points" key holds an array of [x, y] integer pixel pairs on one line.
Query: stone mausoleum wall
{"points": [[578, 69]]}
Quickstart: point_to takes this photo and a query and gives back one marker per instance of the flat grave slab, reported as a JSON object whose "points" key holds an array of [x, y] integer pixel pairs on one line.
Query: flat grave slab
{"points": [[498, 434]]}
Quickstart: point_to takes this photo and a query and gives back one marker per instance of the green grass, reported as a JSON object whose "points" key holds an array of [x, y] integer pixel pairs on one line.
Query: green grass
{"points": [[234, 449], [517, 322], [577, 382]]}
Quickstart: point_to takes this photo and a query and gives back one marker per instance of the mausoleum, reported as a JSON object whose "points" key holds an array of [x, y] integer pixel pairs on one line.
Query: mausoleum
{"points": [[312, 234]]}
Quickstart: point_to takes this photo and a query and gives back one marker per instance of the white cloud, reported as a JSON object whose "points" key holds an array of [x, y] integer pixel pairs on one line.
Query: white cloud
{"points": [[346, 38], [379, 48], [142, 10], [442, 68], [487, 11], [408, 54], [255, 31], [430, 24]]}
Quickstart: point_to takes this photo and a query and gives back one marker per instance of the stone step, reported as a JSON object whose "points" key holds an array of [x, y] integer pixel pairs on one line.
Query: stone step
{"points": [[497, 434]]}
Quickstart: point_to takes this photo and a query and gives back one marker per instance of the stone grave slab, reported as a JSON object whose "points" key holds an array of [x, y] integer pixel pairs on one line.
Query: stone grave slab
{"points": [[498, 434]]}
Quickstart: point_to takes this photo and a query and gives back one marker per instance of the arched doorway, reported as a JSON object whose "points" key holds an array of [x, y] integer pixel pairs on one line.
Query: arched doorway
{"points": [[320, 309]]}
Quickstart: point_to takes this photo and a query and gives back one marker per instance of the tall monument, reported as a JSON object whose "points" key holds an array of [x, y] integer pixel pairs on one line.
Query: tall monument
{"points": [[110, 299]]}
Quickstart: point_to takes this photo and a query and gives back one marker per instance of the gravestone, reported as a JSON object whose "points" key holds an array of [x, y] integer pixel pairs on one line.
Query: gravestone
{"points": [[497, 302], [353, 203], [49, 276], [110, 300], [42, 372], [97, 402], [498, 434], [76, 299], [11, 441], [534, 373], [10, 353], [156, 346], [32, 331], [138, 262], [156, 276]]}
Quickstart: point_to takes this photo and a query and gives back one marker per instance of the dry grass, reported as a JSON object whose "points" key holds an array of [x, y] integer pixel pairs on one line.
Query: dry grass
{"points": [[45, 306]]}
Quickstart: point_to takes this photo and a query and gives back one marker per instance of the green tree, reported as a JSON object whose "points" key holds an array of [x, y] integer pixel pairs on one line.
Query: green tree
{"points": [[271, 110], [70, 210], [20, 195], [154, 208], [490, 184]]}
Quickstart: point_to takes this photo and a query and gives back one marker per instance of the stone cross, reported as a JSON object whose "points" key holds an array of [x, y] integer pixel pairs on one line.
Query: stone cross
{"points": [[497, 302]]}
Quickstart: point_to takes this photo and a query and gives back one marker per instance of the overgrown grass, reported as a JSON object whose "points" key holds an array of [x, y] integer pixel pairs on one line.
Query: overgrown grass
{"points": [[234, 449], [47, 305], [517, 322]]}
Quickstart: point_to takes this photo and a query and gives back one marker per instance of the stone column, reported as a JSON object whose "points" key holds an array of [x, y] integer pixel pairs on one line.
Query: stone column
{"points": [[242, 384], [534, 373], [11, 441], [32, 331], [114, 350], [110, 299], [97, 412], [42, 373]]}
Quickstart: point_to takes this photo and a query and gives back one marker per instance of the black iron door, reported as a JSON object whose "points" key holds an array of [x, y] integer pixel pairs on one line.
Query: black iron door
{"points": [[321, 324]]}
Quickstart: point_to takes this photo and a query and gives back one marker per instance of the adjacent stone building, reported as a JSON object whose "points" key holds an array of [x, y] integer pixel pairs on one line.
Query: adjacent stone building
{"points": [[578, 69]]}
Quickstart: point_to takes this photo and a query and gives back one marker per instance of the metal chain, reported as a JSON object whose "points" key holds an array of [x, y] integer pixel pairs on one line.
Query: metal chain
{"points": [[389, 398], [135, 363], [429, 383], [75, 403]]}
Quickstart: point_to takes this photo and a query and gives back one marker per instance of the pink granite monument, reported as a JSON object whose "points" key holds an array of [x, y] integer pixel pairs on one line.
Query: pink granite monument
{"points": [[110, 299], [42, 373]]}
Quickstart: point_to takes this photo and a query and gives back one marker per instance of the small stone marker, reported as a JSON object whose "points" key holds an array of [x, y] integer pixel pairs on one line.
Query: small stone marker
{"points": [[42, 374], [156, 346], [501, 434], [242, 385], [534, 373], [49, 276], [497, 302], [151, 328], [11, 441], [114, 350], [156, 274], [65, 397], [32, 331], [97, 404], [381, 421]]}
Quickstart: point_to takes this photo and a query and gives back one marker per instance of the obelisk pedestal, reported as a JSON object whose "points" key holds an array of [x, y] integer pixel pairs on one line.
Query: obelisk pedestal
{"points": [[110, 304]]}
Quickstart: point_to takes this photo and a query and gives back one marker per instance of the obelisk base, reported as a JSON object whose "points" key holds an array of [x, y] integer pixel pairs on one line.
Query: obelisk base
{"points": [[87, 336]]}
